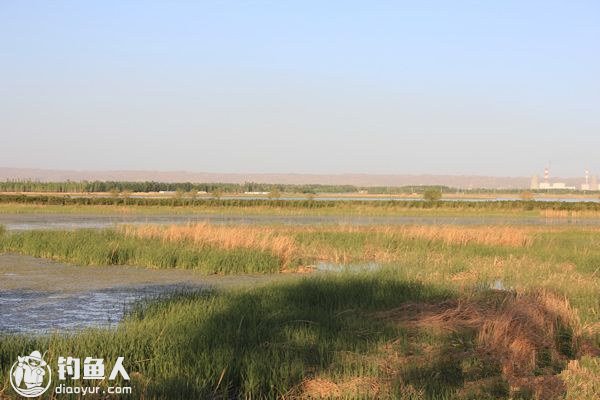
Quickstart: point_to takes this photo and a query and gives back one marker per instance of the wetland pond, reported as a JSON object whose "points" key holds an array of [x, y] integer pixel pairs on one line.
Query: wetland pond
{"points": [[42, 296], [39, 296]]}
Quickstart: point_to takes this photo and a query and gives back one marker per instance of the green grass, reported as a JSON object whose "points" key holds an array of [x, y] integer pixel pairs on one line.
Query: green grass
{"points": [[258, 343], [492, 208], [108, 247], [565, 261], [344, 208], [264, 342]]}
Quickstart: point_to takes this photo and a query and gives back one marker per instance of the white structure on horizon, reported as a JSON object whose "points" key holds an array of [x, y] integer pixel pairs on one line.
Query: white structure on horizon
{"points": [[548, 185], [591, 182]]}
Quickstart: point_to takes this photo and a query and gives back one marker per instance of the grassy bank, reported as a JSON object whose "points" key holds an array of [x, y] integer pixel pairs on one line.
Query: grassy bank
{"points": [[108, 247], [565, 260], [65, 204], [425, 325], [362, 335]]}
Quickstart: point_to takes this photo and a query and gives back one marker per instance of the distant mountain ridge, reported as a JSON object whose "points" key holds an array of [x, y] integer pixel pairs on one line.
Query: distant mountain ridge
{"points": [[459, 181]]}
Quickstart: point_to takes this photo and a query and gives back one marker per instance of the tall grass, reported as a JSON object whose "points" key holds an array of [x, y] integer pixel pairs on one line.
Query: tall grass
{"points": [[353, 335], [260, 343], [107, 247], [225, 237], [295, 339], [308, 204]]}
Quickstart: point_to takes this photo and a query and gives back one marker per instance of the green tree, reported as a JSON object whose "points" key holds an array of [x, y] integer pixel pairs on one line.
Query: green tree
{"points": [[432, 194]]}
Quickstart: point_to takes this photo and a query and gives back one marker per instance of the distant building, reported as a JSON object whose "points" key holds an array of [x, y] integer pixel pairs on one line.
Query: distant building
{"points": [[590, 184], [556, 186], [535, 182], [547, 184]]}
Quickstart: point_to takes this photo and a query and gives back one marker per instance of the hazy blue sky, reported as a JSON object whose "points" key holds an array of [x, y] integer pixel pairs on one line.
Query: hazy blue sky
{"points": [[477, 87]]}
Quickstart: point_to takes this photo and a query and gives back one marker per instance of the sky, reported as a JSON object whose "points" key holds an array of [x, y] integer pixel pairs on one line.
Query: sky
{"points": [[405, 87]]}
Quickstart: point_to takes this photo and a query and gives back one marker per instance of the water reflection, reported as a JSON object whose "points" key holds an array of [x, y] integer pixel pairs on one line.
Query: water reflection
{"points": [[26, 311], [76, 221]]}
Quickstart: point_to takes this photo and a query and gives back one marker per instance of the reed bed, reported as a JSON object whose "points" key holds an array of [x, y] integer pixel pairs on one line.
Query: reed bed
{"points": [[225, 237], [450, 234], [569, 214], [108, 247], [451, 313], [338, 336], [375, 243]]}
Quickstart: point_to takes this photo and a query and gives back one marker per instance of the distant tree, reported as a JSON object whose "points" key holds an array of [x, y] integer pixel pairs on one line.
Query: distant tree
{"points": [[432, 194], [274, 194]]}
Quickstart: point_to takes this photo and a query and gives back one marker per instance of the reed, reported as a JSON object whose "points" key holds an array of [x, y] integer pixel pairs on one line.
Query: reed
{"points": [[348, 335], [108, 247], [452, 312], [263, 239], [570, 214]]}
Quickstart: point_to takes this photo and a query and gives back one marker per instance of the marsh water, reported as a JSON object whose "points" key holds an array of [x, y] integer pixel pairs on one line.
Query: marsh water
{"points": [[97, 221], [42, 296]]}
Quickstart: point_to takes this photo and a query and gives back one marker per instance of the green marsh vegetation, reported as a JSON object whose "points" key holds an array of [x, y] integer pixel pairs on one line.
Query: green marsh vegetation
{"points": [[306, 205], [348, 335], [426, 325], [109, 247]]}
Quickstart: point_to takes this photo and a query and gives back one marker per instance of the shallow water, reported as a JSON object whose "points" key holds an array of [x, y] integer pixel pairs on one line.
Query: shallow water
{"points": [[75, 221], [41, 296], [27, 311]]}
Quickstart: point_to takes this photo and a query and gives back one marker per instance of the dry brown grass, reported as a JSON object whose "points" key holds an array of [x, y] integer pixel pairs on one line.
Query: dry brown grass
{"points": [[582, 378], [571, 214], [527, 334], [363, 387], [450, 234], [462, 235], [226, 237], [281, 241]]}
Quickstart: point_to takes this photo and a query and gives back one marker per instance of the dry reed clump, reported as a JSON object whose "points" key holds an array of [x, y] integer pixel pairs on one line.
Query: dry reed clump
{"points": [[281, 242], [572, 214], [486, 235], [529, 335], [582, 378], [225, 237]]}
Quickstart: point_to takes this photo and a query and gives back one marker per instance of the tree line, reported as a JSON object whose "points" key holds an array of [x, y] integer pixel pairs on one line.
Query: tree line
{"points": [[27, 186]]}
